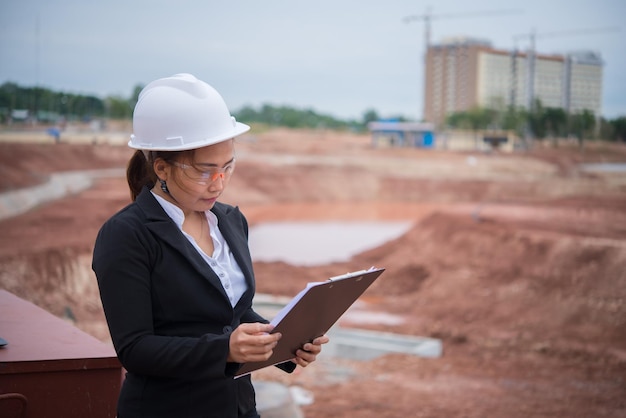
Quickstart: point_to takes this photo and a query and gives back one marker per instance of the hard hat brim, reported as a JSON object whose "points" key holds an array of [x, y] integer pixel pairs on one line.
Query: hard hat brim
{"points": [[238, 129]]}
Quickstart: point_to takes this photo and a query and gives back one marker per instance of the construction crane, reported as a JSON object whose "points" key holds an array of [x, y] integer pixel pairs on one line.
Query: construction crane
{"points": [[532, 36], [428, 17]]}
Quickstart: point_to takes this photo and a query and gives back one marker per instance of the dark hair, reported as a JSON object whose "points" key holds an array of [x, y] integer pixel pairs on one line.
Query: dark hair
{"points": [[140, 171]]}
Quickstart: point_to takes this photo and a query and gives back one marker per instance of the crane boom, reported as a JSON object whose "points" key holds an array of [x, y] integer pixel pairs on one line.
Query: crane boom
{"points": [[428, 17], [586, 31]]}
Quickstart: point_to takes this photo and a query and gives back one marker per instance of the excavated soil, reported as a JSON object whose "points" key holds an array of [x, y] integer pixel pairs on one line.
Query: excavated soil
{"points": [[517, 262]]}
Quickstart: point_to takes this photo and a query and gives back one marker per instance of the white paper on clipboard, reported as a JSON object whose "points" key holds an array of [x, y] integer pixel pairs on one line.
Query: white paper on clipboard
{"points": [[312, 312]]}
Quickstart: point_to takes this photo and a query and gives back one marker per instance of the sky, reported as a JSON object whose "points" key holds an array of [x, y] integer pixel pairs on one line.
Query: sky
{"points": [[337, 57]]}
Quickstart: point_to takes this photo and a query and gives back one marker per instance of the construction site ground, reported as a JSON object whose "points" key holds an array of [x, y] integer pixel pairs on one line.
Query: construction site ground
{"points": [[515, 261]]}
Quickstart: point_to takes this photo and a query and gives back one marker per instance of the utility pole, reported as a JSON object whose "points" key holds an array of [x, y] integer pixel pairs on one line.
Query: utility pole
{"points": [[531, 56], [530, 74]]}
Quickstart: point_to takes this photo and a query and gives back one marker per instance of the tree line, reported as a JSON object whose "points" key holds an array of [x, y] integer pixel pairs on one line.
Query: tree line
{"points": [[45, 105], [48, 106], [542, 123]]}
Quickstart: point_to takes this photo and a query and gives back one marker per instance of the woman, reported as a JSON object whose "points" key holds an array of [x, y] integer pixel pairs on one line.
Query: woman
{"points": [[174, 268]]}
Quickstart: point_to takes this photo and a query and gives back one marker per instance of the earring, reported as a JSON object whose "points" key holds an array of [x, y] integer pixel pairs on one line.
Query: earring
{"points": [[164, 186]]}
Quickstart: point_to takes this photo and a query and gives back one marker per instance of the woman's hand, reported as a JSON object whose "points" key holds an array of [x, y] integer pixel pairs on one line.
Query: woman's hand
{"points": [[252, 342], [309, 351]]}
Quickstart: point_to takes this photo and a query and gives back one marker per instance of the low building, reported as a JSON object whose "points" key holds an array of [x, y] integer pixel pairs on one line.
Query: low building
{"points": [[402, 134]]}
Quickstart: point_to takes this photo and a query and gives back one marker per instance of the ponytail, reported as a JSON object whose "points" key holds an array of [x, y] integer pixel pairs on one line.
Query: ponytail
{"points": [[139, 174]]}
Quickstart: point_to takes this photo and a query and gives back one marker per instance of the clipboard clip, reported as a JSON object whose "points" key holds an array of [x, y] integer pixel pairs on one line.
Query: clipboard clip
{"points": [[351, 274]]}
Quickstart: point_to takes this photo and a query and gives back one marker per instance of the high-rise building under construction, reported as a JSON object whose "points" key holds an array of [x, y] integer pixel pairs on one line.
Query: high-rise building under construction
{"points": [[462, 73]]}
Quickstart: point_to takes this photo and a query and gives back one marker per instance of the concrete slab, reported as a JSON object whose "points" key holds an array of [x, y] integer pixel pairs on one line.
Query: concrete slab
{"points": [[367, 345], [358, 344], [59, 185], [274, 400]]}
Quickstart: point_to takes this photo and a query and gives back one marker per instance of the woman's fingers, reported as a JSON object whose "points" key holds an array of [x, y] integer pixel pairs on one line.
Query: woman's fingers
{"points": [[252, 342], [309, 351]]}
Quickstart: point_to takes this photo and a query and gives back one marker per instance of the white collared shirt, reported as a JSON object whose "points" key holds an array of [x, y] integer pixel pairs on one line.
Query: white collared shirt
{"points": [[222, 261]]}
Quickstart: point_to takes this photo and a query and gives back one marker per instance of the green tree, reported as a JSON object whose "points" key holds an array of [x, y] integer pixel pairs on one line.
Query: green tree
{"points": [[290, 117], [535, 120], [554, 121], [48, 105], [370, 115], [475, 119], [135, 95], [619, 128], [514, 120], [118, 107], [581, 125]]}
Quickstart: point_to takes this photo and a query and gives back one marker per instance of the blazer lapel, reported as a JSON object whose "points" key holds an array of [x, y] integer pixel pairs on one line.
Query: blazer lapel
{"points": [[163, 227]]}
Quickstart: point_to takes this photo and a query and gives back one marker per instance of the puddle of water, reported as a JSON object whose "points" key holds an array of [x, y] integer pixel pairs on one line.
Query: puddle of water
{"points": [[605, 167], [317, 243]]}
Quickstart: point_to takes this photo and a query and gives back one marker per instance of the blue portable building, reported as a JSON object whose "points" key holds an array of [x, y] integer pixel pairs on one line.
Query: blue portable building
{"points": [[402, 134]]}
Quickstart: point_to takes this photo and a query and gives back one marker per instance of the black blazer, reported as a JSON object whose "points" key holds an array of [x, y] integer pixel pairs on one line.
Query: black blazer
{"points": [[169, 317]]}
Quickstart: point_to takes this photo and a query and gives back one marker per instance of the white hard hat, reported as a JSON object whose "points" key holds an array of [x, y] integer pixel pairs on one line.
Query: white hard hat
{"points": [[179, 113]]}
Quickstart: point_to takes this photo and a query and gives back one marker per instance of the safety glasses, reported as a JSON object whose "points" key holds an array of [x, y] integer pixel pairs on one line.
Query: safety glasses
{"points": [[206, 176]]}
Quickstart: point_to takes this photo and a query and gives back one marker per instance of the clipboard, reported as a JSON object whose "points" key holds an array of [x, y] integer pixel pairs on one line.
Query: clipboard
{"points": [[312, 313]]}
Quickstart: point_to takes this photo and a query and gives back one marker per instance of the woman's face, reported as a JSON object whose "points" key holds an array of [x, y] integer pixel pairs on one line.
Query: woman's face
{"points": [[197, 179]]}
